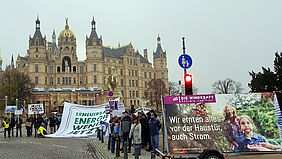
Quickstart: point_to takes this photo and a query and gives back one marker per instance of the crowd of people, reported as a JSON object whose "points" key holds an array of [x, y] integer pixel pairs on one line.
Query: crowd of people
{"points": [[140, 130], [34, 122]]}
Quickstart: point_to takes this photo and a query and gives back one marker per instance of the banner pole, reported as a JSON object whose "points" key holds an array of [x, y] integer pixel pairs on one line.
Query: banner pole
{"points": [[165, 142]]}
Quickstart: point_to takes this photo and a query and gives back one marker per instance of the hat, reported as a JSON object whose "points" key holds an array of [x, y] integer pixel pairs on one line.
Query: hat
{"points": [[153, 113], [125, 112]]}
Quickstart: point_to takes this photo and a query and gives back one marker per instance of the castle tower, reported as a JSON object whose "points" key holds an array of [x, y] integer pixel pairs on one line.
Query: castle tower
{"points": [[160, 63], [93, 43], [37, 44]]}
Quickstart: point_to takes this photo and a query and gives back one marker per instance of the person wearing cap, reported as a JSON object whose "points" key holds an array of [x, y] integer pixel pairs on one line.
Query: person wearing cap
{"points": [[154, 126], [125, 129]]}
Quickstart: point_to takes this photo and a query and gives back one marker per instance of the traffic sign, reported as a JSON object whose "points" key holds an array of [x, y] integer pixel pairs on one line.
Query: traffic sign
{"points": [[111, 93], [185, 61]]}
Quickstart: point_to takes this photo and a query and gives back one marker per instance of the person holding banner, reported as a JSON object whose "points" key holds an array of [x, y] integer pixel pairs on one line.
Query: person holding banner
{"points": [[6, 126], [19, 122], [28, 125]]}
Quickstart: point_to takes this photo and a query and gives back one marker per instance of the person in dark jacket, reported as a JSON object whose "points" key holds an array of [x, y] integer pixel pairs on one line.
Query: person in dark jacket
{"points": [[56, 123], [154, 126], [12, 124], [125, 130], [28, 124], [37, 123], [147, 132], [19, 123], [144, 128], [52, 124]]}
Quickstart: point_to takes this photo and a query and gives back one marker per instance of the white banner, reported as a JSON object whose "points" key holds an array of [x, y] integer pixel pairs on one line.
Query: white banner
{"points": [[81, 121], [18, 112], [35, 109]]}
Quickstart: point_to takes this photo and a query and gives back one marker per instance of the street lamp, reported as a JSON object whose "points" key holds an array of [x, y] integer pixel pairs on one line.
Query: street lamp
{"points": [[94, 100], [6, 100], [17, 100]]}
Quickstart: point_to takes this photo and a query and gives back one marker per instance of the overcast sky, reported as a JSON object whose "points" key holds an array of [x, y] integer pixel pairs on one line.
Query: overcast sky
{"points": [[226, 39]]}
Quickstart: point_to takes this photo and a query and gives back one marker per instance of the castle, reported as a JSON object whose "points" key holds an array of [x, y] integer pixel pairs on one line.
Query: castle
{"points": [[59, 76]]}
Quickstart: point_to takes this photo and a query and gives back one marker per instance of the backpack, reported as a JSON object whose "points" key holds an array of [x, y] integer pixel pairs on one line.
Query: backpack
{"points": [[125, 126]]}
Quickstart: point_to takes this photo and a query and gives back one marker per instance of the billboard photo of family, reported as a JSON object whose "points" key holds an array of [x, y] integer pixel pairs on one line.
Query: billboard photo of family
{"points": [[231, 123]]}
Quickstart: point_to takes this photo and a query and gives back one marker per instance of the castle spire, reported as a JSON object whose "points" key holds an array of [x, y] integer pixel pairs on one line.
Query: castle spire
{"points": [[67, 25], [37, 22], [93, 23]]}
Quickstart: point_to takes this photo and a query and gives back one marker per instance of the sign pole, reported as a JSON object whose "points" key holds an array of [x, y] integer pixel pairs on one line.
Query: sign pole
{"points": [[183, 43]]}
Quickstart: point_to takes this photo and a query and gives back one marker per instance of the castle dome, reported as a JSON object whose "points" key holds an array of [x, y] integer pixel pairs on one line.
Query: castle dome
{"points": [[66, 32]]}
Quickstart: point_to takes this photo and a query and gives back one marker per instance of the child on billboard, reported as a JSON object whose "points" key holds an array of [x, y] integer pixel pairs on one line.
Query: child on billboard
{"points": [[250, 141]]}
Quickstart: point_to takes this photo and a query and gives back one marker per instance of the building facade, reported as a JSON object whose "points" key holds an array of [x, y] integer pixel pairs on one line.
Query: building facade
{"points": [[59, 76]]}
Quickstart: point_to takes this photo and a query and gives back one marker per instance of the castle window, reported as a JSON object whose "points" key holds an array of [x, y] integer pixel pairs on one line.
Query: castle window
{"points": [[127, 61], [94, 68], [145, 84], [86, 80], [129, 83], [145, 74], [134, 61], [130, 94], [130, 61], [137, 94], [36, 80], [63, 81], [81, 69], [136, 73], [58, 80], [132, 83], [162, 75], [36, 49], [37, 42], [36, 68], [81, 80], [121, 72], [58, 69], [132, 72], [51, 81], [51, 69], [136, 83], [69, 80], [95, 79], [122, 92], [121, 82], [45, 69], [74, 69], [129, 72], [154, 75], [74, 80], [150, 75], [45, 80]]}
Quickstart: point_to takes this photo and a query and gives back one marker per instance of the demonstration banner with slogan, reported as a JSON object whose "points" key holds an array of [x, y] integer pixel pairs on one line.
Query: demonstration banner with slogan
{"points": [[10, 109], [18, 112], [224, 122], [35, 109], [81, 121]]}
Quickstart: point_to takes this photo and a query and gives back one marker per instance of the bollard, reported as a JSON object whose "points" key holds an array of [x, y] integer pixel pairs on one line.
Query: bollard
{"points": [[98, 134], [102, 136], [117, 148], [125, 149], [109, 141], [153, 155]]}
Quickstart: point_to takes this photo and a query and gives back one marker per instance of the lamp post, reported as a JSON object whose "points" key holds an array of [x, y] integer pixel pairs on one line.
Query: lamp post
{"points": [[6, 101], [17, 100], [94, 100], [97, 97]]}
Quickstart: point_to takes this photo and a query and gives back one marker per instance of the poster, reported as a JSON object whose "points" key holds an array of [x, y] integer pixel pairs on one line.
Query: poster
{"points": [[10, 109], [18, 112], [81, 121], [224, 122], [35, 109]]}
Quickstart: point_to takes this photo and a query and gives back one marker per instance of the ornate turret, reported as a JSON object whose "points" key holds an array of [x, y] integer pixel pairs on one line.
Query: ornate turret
{"points": [[159, 52], [93, 39], [37, 39], [66, 33]]}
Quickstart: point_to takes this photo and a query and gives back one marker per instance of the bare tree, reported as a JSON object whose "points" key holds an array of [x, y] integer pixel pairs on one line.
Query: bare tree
{"points": [[173, 88], [227, 86], [155, 88]]}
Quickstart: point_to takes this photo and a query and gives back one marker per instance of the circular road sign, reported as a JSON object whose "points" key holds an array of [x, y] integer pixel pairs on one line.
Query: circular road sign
{"points": [[111, 93], [185, 61]]}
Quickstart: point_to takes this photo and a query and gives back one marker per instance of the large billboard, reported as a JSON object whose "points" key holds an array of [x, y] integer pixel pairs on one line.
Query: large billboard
{"points": [[224, 122]]}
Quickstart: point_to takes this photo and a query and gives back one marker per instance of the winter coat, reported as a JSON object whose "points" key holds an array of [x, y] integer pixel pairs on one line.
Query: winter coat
{"points": [[154, 125], [52, 122], [135, 133], [125, 125], [19, 122]]}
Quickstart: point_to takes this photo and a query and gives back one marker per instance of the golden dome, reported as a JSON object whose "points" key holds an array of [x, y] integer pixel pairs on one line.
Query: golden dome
{"points": [[66, 32]]}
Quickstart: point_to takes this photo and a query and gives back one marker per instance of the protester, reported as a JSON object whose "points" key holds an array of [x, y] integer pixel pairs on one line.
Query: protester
{"points": [[52, 124], [45, 120], [154, 125], [55, 122], [6, 126], [125, 129], [41, 130], [28, 124], [115, 128], [145, 129], [19, 123], [135, 135], [147, 134], [132, 110], [32, 118], [37, 122], [110, 131], [12, 125]]}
